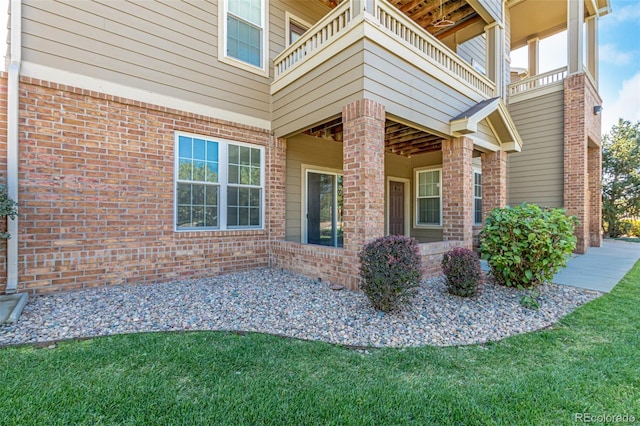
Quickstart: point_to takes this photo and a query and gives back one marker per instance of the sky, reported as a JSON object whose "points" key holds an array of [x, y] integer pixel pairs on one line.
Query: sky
{"points": [[619, 49]]}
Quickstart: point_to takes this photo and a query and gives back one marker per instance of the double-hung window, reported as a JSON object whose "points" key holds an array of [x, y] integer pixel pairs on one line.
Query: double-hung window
{"points": [[219, 184], [428, 197], [477, 197], [243, 38]]}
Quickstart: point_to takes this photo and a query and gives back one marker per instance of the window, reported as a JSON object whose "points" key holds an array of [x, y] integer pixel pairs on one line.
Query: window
{"points": [[296, 27], [295, 32], [428, 197], [219, 184], [477, 197], [323, 208], [243, 38]]}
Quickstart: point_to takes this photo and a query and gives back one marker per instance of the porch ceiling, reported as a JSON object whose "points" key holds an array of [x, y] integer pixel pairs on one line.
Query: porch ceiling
{"points": [[427, 12], [399, 139]]}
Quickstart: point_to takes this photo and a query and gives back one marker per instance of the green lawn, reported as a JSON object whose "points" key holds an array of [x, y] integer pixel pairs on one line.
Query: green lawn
{"points": [[589, 363]]}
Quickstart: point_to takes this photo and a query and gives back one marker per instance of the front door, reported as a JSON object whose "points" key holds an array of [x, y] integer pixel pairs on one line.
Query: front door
{"points": [[396, 208]]}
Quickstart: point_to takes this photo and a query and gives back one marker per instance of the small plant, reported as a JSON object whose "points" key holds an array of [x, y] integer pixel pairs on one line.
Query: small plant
{"points": [[530, 300], [461, 268], [526, 245], [8, 208], [391, 270]]}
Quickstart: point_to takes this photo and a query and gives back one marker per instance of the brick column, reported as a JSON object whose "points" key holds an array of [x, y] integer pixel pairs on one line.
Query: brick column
{"points": [[457, 190], [276, 173], [594, 165], [494, 181], [576, 194], [363, 184]]}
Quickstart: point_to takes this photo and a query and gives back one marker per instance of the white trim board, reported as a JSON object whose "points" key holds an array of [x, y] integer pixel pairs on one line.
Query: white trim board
{"points": [[43, 72]]}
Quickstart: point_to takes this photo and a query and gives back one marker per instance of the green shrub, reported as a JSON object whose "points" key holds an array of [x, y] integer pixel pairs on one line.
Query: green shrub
{"points": [[461, 268], [8, 208], [391, 269], [631, 227], [526, 245]]}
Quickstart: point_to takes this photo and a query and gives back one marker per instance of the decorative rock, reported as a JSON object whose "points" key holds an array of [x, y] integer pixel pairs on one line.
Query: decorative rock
{"points": [[279, 302]]}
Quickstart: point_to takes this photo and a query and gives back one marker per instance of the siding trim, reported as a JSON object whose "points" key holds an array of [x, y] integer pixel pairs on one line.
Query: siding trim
{"points": [[43, 72]]}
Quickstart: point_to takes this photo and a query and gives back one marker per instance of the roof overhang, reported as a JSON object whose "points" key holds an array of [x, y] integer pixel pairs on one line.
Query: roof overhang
{"points": [[496, 113]]}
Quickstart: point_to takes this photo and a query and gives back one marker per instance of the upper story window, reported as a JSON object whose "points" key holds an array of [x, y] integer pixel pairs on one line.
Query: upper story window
{"points": [[296, 27], [242, 35], [219, 184]]}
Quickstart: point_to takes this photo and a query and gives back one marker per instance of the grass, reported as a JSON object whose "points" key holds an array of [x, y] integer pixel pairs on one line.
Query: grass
{"points": [[588, 363], [629, 239]]}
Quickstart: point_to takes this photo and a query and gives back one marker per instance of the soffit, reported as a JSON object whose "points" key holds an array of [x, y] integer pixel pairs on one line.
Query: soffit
{"points": [[427, 12]]}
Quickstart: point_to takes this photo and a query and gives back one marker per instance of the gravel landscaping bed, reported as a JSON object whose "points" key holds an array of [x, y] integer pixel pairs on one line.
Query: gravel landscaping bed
{"points": [[279, 302]]}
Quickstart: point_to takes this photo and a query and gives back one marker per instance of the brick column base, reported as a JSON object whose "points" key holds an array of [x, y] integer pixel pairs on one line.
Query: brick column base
{"points": [[363, 182], [494, 181], [576, 201], [594, 165], [457, 190]]}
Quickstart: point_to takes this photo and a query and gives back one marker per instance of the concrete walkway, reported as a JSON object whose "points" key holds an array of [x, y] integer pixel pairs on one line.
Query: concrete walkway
{"points": [[601, 267]]}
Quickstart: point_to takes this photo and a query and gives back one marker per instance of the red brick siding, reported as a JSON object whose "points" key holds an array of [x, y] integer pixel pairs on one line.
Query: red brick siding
{"points": [[96, 187], [363, 169], [457, 190], [316, 262], [3, 176], [581, 130], [494, 181], [432, 256]]}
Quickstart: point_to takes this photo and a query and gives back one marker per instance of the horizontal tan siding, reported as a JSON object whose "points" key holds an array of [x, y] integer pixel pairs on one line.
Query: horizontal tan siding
{"points": [[304, 149], [321, 93], [535, 175], [168, 47], [409, 92], [474, 51], [424, 235]]}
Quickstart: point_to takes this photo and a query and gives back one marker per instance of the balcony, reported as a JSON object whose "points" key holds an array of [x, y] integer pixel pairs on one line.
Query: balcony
{"points": [[380, 54], [537, 85]]}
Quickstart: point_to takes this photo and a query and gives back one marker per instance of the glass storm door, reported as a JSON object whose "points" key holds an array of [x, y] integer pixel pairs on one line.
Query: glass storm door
{"points": [[324, 209]]}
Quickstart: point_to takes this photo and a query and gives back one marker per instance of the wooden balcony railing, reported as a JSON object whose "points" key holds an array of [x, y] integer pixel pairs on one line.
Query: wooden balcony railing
{"points": [[537, 81], [391, 22]]}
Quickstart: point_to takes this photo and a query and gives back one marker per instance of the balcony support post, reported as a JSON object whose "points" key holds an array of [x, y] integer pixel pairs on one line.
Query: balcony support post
{"points": [[592, 47], [534, 57], [496, 57], [575, 36]]}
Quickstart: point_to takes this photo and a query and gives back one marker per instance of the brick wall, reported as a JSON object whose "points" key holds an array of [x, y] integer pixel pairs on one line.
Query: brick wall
{"points": [[581, 174], [494, 181], [3, 176], [96, 186], [432, 256], [363, 182], [457, 190], [313, 261]]}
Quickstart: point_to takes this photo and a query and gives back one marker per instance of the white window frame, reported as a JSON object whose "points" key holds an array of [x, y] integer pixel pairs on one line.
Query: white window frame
{"points": [[222, 40], [289, 18], [416, 172], [306, 168], [477, 171], [223, 184]]}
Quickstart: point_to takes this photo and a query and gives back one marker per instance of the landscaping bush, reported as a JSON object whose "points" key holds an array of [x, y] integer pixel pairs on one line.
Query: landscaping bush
{"points": [[526, 245], [631, 227], [461, 268], [391, 270], [8, 208]]}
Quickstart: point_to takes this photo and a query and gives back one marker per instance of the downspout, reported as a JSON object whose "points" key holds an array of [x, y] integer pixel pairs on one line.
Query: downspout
{"points": [[13, 95]]}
